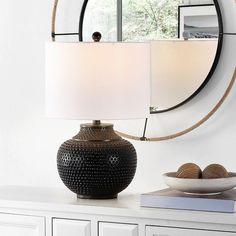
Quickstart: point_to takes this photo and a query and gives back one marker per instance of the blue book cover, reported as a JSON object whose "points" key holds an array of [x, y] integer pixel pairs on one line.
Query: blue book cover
{"points": [[172, 199]]}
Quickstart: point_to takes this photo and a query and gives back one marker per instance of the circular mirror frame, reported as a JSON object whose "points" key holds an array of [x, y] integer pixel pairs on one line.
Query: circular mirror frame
{"points": [[195, 125], [212, 69]]}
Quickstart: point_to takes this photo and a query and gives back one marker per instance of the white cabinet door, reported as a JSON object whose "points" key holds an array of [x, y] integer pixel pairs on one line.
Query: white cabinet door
{"points": [[113, 229], [165, 231], [19, 225], [64, 227]]}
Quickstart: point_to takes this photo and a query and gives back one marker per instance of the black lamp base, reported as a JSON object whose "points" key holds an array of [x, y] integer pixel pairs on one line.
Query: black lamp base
{"points": [[96, 163]]}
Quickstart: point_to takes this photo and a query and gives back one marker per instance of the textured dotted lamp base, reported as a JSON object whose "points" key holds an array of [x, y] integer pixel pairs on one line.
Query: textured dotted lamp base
{"points": [[96, 163]]}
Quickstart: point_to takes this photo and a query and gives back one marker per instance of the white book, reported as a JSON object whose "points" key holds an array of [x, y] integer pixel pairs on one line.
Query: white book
{"points": [[172, 199]]}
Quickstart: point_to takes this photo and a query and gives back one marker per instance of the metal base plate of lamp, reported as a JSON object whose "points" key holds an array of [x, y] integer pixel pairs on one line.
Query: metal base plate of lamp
{"points": [[96, 163]]}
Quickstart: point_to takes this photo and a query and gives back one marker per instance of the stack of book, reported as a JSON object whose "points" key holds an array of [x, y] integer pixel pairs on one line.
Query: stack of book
{"points": [[172, 199]]}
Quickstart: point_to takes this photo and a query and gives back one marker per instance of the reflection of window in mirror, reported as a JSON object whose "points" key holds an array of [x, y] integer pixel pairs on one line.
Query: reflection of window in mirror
{"points": [[141, 19]]}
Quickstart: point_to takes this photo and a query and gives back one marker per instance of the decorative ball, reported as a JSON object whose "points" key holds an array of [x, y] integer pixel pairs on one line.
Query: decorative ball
{"points": [[214, 171], [190, 171]]}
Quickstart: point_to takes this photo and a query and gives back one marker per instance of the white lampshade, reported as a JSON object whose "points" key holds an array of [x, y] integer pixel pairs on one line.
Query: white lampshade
{"points": [[178, 69], [97, 81]]}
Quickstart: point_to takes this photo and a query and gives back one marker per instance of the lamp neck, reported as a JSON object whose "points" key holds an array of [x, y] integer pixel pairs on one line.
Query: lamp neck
{"points": [[96, 122], [96, 132]]}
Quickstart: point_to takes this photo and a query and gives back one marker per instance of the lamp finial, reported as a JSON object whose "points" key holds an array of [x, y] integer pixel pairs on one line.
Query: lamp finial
{"points": [[97, 36]]}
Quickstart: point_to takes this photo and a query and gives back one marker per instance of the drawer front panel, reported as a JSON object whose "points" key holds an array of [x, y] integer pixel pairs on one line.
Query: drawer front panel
{"points": [[19, 225], [64, 227], [115, 229], [165, 231]]}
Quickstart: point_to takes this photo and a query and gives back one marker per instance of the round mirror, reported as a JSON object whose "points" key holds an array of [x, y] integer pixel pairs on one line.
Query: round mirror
{"points": [[186, 41]]}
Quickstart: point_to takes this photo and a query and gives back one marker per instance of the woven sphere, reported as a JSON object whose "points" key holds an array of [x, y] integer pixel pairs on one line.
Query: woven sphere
{"points": [[214, 171], [190, 171]]}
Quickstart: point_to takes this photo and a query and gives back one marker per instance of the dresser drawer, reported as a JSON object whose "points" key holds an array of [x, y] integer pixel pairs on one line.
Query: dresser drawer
{"points": [[165, 231], [115, 229], [64, 227], [20, 225]]}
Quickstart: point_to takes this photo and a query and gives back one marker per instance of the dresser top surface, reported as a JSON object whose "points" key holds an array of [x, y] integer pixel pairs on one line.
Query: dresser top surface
{"points": [[127, 205]]}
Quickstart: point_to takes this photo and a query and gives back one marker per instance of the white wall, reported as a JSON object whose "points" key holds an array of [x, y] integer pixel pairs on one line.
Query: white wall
{"points": [[29, 141]]}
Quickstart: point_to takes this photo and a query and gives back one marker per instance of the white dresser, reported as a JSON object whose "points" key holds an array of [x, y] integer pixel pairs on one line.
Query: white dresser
{"points": [[26, 211]]}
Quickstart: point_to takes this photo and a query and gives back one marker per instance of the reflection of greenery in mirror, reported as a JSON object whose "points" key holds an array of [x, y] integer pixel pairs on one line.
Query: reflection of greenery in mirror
{"points": [[150, 19]]}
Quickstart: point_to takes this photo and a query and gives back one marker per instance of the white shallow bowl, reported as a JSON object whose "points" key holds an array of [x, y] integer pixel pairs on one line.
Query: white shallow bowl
{"points": [[200, 186]]}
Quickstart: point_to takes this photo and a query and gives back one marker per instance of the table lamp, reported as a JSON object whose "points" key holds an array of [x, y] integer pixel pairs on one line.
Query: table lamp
{"points": [[97, 81]]}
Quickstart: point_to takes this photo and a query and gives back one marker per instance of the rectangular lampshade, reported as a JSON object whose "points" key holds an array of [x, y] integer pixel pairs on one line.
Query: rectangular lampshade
{"points": [[97, 81]]}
